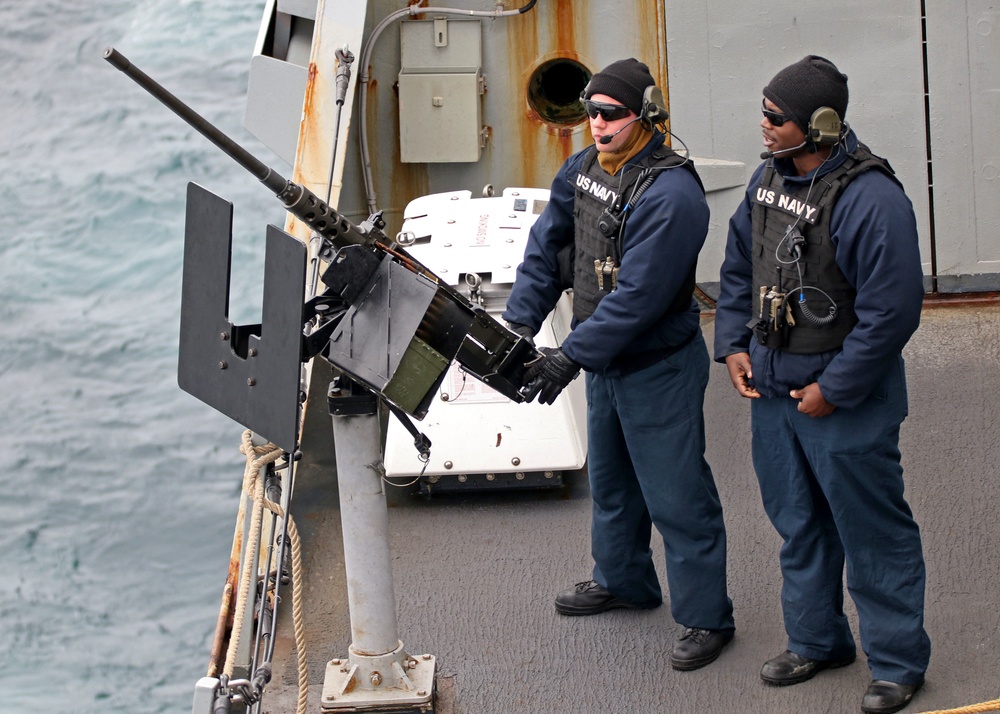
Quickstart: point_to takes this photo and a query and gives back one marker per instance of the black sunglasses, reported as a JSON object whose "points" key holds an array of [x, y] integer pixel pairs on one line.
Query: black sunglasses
{"points": [[773, 117], [608, 112]]}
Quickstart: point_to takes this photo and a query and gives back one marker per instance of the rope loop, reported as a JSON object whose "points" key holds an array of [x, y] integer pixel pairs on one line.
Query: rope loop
{"points": [[257, 458]]}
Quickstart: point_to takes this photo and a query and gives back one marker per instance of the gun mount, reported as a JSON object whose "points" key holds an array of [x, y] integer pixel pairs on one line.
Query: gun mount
{"points": [[384, 319]]}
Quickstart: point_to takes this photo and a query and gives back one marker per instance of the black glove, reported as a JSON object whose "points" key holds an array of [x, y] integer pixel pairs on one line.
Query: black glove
{"points": [[549, 375], [522, 330]]}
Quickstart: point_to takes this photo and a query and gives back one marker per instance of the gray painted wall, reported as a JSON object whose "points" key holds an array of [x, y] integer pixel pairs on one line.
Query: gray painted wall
{"points": [[963, 48], [721, 53], [718, 56]]}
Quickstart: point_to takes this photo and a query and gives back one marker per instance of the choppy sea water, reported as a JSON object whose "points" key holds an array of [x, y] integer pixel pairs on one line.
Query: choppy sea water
{"points": [[119, 489]]}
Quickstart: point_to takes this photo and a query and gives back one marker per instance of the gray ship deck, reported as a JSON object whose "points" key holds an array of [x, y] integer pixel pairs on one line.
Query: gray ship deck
{"points": [[475, 574]]}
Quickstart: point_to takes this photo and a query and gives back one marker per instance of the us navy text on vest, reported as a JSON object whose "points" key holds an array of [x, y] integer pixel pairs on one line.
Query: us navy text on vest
{"points": [[603, 193], [789, 204], [590, 244]]}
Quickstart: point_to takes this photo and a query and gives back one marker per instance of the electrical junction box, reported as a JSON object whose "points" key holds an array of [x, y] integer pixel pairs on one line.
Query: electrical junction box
{"points": [[440, 91]]}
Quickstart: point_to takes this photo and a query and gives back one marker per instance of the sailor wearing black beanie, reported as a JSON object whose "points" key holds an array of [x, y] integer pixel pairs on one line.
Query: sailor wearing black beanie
{"points": [[625, 80], [820, 290], [630, 214], [802, 88]]}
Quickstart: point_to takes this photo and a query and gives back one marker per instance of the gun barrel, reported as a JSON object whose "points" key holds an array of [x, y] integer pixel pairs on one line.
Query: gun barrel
{"points": [[298, 200], [243, 157]]}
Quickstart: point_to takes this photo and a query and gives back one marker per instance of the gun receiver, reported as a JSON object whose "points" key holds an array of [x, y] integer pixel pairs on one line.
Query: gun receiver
{"points": [[350, 319]]}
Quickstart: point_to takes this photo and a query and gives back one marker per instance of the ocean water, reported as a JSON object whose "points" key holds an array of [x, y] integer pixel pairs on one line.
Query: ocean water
{"points": [[119, 490]]}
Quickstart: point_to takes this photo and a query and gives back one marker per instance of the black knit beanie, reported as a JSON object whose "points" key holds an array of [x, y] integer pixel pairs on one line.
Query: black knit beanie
{"points": [[624, 80], [802, 88]]}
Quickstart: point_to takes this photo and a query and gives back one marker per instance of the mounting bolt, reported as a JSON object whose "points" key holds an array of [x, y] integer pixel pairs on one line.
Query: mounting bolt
{"points": [[516, 461], [223, 365], [251, 381], [448, 464], [224, 336], [252, 352], [376, 679]]}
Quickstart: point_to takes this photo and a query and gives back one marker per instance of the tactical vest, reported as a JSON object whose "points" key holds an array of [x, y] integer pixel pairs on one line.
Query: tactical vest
{"points": [[596, 191], [797, 223]]}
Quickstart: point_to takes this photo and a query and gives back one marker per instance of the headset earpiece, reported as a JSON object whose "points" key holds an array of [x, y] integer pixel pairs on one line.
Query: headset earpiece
{"points": [[825, 127], [653, 107]]}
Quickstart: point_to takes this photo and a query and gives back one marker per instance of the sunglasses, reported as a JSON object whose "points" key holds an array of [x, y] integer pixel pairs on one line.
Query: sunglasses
{"points": [[773, 117], [608, 112]]}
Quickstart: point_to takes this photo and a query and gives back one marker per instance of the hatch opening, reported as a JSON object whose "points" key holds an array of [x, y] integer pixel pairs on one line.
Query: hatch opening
{"points": [[554, 91]]}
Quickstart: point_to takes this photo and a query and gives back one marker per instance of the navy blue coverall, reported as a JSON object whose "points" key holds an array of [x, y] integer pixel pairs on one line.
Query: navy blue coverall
{"points": [[646, 430], [833, 486]]}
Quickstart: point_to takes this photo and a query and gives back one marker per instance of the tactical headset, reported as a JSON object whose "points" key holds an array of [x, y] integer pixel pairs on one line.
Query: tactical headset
{"points": [[653, 110], [825, 127]]}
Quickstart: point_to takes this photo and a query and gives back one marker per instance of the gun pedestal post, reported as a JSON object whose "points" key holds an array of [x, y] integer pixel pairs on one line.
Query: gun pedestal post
{"points": [[377, 674]]}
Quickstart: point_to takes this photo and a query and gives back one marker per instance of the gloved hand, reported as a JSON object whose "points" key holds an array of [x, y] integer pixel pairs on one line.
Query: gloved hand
{"points": [[522, 330], [549, 375]]}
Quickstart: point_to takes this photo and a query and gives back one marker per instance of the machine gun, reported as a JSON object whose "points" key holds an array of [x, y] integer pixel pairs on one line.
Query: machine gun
{"points": [[384, 319]]}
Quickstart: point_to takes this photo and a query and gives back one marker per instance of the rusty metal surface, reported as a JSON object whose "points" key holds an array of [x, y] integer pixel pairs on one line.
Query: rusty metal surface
{"points": [[522, 149], [475, 574], [223, 624], [340, 23], [961, 299]]}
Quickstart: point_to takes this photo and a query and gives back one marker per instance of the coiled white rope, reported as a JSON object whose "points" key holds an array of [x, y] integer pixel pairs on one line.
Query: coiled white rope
{"points": [[257, 457]]}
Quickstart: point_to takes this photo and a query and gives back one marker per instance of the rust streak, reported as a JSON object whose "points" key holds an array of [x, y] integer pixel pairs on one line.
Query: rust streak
{"points": [[653, 46], [522, 41], [565, 28], [417, 3], [222, 627], [550, 31], [960, 299], [308, 118]]}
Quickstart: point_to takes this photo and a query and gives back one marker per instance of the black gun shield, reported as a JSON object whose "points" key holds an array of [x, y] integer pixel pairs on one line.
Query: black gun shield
{"points": [[249, 373]]}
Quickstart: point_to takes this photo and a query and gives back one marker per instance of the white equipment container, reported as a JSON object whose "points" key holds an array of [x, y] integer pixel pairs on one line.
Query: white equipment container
{"points": [[479, 438]]}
